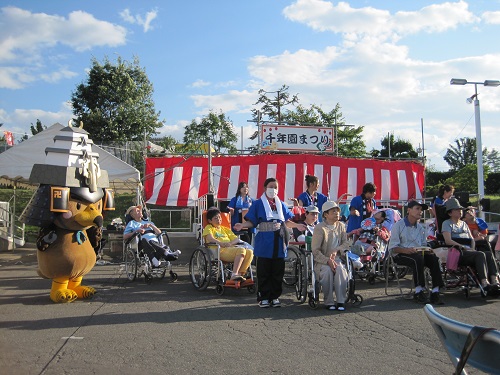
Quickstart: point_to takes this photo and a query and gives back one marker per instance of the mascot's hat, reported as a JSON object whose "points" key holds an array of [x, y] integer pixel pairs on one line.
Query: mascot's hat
{"points": [[70, 168]]}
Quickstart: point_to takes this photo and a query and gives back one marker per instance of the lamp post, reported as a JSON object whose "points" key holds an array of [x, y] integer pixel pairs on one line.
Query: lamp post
{"points": [[477, 121]]}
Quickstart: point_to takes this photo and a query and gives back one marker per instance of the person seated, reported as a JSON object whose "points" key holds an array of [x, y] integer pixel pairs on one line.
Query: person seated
{"points": [[215, 233], [457, 233], [478, 229], [310, 221], [407, 236], [328, 241], [371, 229], [149, 237]]}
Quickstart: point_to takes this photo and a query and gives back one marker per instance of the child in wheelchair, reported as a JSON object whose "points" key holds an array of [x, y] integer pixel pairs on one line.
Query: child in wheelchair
{"points": [[232, 249], [148, 233]]}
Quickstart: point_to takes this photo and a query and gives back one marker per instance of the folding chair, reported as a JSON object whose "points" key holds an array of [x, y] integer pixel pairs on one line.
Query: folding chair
{"points": [[479, 347]]}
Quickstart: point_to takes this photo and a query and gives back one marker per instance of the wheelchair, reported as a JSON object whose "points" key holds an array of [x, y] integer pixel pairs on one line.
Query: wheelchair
{"points": [[137, 262], [206, 266], [298, 269], [353, 299], [463, 278]]}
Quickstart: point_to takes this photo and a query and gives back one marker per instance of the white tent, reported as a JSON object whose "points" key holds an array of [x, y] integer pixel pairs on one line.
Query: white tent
{"points": [[17, 162]]}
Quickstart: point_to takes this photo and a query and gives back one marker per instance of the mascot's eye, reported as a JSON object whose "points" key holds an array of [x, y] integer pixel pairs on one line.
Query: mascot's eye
{"points": [[78, 205]]}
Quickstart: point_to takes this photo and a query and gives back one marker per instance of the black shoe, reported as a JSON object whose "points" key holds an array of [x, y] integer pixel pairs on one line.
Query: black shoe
{"points": [[491, 290], [421, 297], [435, 299]]}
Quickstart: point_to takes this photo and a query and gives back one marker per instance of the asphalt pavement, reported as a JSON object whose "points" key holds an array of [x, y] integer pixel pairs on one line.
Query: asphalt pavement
{"points": [[169, 327]]}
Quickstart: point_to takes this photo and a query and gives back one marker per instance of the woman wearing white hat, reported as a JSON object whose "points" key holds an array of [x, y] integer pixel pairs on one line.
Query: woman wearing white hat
{"points": [[329, 239]]}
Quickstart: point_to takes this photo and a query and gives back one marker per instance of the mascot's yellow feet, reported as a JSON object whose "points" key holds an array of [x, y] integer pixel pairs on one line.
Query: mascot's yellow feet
{"points": [[63, 296], [81, 291], [60, 293], [84, 291]]}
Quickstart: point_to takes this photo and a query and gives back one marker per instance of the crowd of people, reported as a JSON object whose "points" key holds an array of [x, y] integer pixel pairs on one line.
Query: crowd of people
{"points": [[268, 224]]}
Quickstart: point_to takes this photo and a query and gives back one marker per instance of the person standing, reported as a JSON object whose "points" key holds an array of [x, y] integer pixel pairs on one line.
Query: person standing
{"points": [[271, 217], [240, 202], [362, 206], [311, 197]]}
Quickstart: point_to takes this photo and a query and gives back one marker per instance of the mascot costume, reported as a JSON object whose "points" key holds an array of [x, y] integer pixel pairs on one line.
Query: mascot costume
{"points": [[68, 208]]}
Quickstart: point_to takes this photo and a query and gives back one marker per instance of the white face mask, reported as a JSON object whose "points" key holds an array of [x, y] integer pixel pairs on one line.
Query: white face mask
{"points": [[271, 192]]}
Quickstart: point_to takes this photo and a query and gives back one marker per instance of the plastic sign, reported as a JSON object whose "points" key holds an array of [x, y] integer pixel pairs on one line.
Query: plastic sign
{"points": [[296, 138]]}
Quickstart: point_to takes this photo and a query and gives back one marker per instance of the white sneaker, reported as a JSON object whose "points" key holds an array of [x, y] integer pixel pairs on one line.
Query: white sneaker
{"points": [[155, 262], [174, 253], [275, 303], [264, 303]]}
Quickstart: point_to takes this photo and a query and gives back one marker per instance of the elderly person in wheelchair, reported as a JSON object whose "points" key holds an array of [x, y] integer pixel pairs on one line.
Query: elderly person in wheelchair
{"points": [[148, 232], [457, 233], [408, 237], [328, 241]]}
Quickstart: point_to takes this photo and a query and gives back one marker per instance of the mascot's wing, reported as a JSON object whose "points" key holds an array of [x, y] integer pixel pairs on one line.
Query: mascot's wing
{"points": [[94, 234]]}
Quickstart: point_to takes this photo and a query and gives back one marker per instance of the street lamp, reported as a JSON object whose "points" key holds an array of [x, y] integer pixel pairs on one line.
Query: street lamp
{"points": [[477, 120]]}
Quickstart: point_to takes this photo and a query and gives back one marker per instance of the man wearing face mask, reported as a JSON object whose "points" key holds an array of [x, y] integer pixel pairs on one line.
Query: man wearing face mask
{"points": [[271, 217]]}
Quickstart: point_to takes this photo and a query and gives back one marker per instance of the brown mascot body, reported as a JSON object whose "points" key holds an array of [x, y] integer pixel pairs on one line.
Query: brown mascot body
{"points": [[70, 217]]}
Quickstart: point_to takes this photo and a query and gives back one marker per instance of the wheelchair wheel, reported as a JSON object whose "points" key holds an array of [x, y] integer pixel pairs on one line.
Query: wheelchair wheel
{"points": [[131, 264], [314, 300], [173, 276], [291, 266], [301, 284], [148, 279], [162, 274], [219, 289], [251, 289], [199, 269], [356, 300]]}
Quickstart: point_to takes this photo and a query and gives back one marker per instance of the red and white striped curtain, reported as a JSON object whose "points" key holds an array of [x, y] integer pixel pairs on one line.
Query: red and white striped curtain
{"points": [[178, 181]]}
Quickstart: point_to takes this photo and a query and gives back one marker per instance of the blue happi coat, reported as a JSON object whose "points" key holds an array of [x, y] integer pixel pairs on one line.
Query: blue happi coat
{"points": [[264, 241]]}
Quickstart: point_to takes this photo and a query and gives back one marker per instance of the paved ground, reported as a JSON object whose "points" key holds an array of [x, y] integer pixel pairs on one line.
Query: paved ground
{"points": [[165, 327]]}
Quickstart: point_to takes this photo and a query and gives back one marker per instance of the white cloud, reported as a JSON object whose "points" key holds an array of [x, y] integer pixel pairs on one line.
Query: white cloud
{"points": [[27, 39], [355, 23], [236, 101], [200, 83], [20, 120], [491, 17], [145, 21]]}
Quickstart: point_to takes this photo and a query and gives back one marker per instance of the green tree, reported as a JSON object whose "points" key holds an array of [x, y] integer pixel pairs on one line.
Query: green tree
{"points": [[349, 141], [492, 159], [115, 102], [465, 179], [38, 128], [214, 126], [462, 154], [273, 107], [399, 148]]}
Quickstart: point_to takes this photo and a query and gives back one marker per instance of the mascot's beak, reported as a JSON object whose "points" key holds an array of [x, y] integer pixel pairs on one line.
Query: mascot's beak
{"points": [[98, 221]]}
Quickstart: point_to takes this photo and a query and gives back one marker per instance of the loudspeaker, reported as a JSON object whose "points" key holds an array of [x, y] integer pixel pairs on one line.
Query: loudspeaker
{"points": [[485, 203]]}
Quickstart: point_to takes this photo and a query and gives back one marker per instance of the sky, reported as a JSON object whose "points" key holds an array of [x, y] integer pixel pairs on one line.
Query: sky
{"points": [[388, 64]]}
